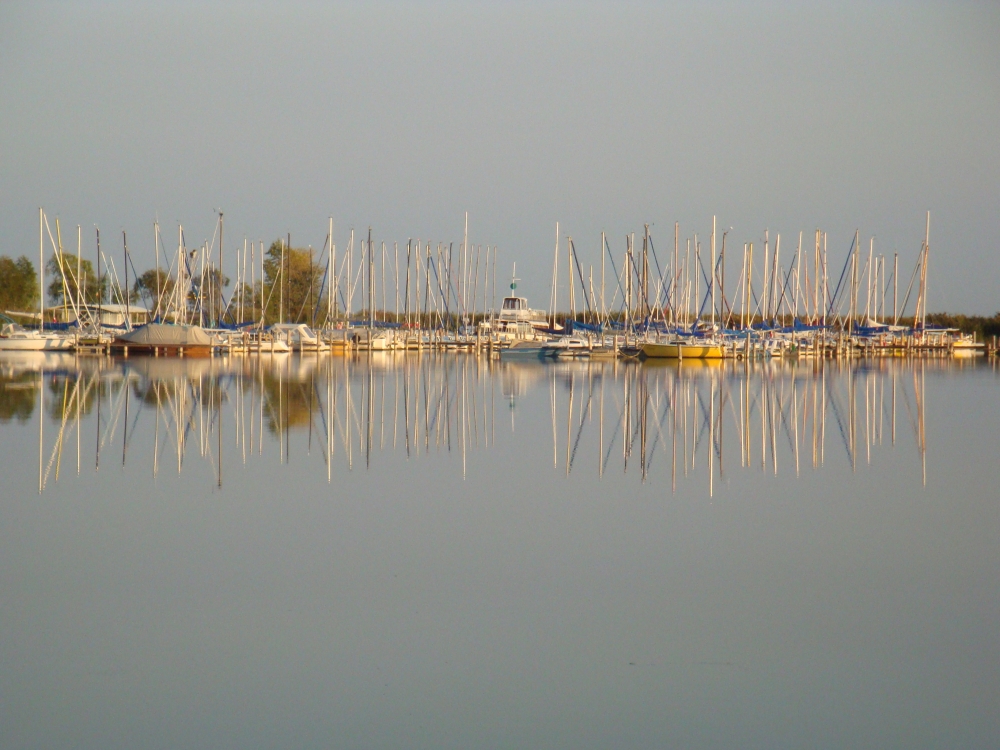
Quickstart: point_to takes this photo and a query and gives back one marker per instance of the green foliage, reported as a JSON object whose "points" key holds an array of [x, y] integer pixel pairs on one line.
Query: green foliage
{"points": [[984, 327], [250, 300], [300, 276], [212, 299], [92, 291], [17, 395], [18, 284], [155, 286]]}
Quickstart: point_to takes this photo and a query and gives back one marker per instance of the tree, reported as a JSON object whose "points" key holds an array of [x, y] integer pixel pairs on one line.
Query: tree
{"points": [[298, 286], [211, 300], [93, 292], [18, 284], [156, 286]]}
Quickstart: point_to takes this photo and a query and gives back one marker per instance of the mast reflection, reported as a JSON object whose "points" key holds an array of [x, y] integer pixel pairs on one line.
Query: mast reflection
{"points": [[686, 419]]}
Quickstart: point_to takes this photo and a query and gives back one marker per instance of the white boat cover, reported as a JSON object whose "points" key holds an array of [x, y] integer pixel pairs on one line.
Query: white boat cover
{"points": [[167, 334]]}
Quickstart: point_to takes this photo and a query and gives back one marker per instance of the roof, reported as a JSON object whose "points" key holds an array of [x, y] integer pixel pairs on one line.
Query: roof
{"points": [[109, 307], [104, 307]]}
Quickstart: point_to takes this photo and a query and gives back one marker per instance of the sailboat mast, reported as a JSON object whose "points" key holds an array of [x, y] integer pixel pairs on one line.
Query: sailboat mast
{"points": [[569, 272], [602, 277], [723, 305], [219, 316], [895, 286], [775, 279], [816, 278], [764, 293], [331, 269], [798, 275], [128, 318], [927, 248], [555, 279], [673, 293], [371, 282], [465, 267], [350, 276], [826, 282], [712, 278], [41, 307], [406, 296], [645, 270], [281, 283]]}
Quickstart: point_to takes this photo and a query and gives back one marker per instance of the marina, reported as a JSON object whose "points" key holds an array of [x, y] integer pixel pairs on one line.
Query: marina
{"points": [[497, 375], [444, 300]]}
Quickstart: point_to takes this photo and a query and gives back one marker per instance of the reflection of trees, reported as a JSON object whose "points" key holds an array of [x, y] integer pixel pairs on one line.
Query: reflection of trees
{"points": [[17, 397], [289, 403], [207, 392], [61, 393], [60, 396]]}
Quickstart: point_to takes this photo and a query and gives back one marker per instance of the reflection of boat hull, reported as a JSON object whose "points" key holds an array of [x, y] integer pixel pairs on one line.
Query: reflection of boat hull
{"points": [[528, 350], [687, 364], [966, 349], [603, 352], [682, 351], [12, 361], [196, 350]]}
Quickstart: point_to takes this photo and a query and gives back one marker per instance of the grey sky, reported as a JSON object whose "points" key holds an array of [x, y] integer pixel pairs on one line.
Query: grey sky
{"points": [[403, 116]]}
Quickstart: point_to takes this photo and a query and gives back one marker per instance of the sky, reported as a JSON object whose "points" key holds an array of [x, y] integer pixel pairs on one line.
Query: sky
{"points": [[403, 116]]}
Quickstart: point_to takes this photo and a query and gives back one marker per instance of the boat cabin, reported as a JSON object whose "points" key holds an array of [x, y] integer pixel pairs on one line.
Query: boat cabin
{"points": [[514, 303]]}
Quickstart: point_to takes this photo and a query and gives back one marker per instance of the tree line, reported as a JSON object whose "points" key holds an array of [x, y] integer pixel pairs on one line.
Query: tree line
{"points": [[289, 291]]}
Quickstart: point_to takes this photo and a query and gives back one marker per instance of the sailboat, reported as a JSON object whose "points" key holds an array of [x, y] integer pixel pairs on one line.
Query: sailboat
{"points": [[166, 338], [682, 350], [14, 338]]}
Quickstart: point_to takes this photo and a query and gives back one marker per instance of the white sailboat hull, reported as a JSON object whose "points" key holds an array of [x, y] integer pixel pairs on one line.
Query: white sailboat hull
{"points": [[35, 344]]}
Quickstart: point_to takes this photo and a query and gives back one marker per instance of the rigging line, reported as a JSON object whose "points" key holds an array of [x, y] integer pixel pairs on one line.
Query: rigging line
{"points": [[784, 420], [659, 436], [635, 433], [836, 291], [112, 424], [583, 284], [840, 423], [705, 420], [909, 414], [130, 431], [614, 268], [579, 432], [906, 298], [66, 412], [614, 437], [664, 289], [784, 288]]}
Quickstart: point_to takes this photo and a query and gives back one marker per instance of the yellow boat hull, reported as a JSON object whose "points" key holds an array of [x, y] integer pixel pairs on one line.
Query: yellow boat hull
{"points": [[682, 351]]}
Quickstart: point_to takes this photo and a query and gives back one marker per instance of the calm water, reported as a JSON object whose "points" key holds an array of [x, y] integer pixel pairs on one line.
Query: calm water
{"points": [[441, 552]]}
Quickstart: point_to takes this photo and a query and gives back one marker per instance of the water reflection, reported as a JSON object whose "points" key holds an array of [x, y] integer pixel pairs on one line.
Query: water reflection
{"points": [[665, 422]]}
